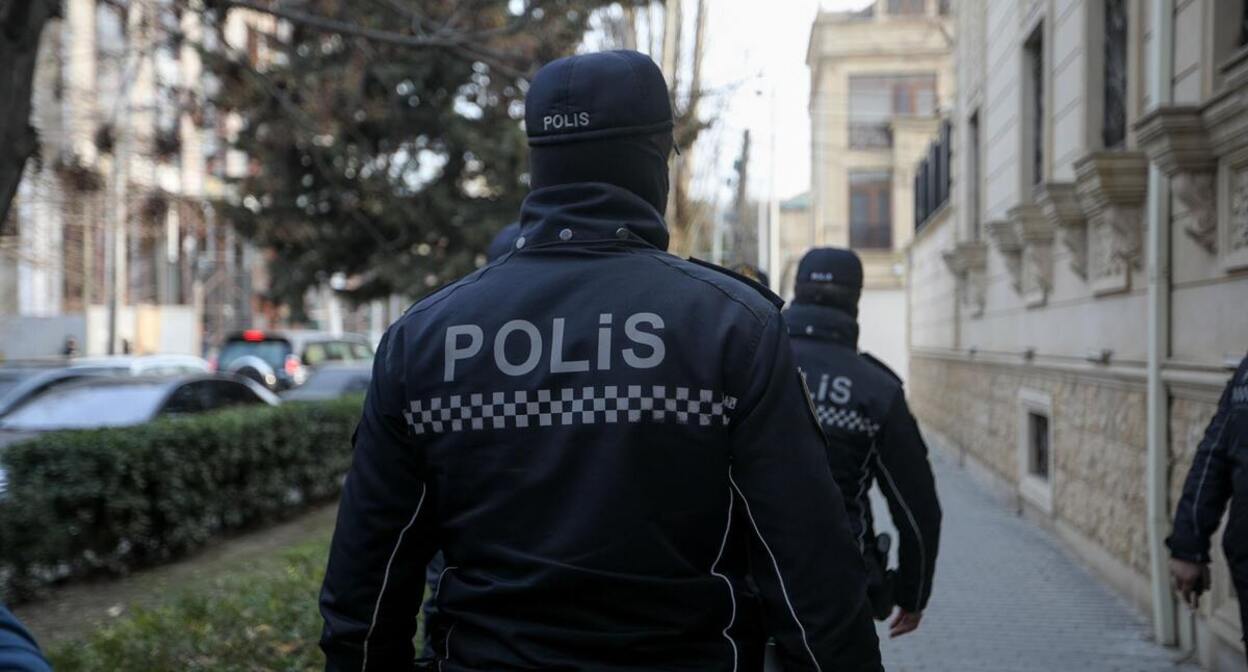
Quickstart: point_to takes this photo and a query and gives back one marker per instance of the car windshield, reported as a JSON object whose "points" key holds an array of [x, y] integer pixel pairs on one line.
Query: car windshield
{"points": [[83, 407], [273, 352]]}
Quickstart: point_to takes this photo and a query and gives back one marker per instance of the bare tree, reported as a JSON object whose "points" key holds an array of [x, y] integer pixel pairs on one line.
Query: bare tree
{"points": [[21, 26]]}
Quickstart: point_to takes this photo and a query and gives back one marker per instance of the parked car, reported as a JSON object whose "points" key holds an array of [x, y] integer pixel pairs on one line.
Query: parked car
{"points": [[145, 365], [331, 381], [117, 401], [20, 381], [281, 360]]}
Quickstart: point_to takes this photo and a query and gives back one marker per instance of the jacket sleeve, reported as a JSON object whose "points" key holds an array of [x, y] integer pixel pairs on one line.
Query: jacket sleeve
{"points": [[802, 555], [384, 535], [905, 477], [1206, 490], [18, 650]]}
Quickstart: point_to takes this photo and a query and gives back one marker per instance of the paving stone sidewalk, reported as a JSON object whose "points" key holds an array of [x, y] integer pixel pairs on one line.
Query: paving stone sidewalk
{"points": [[1007, 598]]}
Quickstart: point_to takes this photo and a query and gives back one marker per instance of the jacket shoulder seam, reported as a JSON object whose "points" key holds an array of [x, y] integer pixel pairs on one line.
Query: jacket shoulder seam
{"points": [[442, 294], [762, 319]]}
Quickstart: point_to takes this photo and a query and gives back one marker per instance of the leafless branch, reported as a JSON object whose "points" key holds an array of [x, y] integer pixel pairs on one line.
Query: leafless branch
{"points": [[332, 25]]}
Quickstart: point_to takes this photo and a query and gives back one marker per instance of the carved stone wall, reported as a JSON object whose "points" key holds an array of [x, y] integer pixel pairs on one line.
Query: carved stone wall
{"points": [[1098, 440], [1112, 186]]}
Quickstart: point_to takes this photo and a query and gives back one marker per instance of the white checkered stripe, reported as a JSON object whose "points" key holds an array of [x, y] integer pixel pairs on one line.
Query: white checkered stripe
{"points": [[570, 406], [847, 419]]}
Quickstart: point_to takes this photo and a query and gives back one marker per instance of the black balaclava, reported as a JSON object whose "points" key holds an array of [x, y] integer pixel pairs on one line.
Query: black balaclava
{"points": [[636, 163], [602, 117]]}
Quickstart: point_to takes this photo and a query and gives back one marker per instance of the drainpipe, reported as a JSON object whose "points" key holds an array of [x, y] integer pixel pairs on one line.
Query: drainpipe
{"points": [[1160, 66]]}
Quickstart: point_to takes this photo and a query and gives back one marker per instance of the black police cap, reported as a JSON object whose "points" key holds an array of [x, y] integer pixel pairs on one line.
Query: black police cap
{"points": [[601, 95], [831, 265]]}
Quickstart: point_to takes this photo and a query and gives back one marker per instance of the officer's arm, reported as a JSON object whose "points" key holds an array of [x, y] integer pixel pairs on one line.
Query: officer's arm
{"points": [[18, 651], [383, 540], [807, 566], [905, 477], [1206, 491]]}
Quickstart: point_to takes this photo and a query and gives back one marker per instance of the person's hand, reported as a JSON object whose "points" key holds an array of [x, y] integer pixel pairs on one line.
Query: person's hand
{"points": [[1189, 579], [904, 622]]}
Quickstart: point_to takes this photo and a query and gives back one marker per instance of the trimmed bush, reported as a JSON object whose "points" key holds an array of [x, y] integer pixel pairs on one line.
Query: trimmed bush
{"points": [[106, 501]]}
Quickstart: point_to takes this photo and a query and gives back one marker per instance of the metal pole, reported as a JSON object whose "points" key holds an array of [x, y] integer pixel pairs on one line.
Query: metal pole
{"points": [[1160, 66]]}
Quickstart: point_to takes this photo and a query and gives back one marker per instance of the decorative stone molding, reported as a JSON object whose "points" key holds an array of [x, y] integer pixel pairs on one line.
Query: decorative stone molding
{"points": [[1175, 139], [1036, 233], [1233, 210], [1225, 119], [1060, 203], [1112, 186], [1009, 244], [968, 262]]}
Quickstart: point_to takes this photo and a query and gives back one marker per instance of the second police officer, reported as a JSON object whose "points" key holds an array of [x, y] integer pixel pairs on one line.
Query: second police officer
{"points": [[873, 438], [593, 431]]}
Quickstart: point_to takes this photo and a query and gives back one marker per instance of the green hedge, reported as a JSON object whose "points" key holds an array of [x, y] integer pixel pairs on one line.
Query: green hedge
{"points": [[107, 501]]}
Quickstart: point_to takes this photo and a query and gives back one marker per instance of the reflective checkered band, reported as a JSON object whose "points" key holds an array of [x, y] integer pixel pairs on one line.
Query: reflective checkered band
{"points": [[570, 406], [847, 419]]}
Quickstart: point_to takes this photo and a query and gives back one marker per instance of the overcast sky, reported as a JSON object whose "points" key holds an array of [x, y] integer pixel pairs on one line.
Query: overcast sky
{"points": [[752, 47]]}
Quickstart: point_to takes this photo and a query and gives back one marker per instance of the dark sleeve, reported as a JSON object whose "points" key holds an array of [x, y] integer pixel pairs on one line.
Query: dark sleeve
{"points": [[18, 650], [803, 557], [383, 539], [905, 477], [1206, 491]]}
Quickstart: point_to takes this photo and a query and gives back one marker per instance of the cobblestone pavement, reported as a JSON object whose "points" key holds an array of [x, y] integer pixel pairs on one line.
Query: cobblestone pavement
{"points": [[1008, 599]]}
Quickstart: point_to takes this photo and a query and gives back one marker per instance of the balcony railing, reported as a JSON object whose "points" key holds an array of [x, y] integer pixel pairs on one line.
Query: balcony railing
{"points": [[870, 135]]}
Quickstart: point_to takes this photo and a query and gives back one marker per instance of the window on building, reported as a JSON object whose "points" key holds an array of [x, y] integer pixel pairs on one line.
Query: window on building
{"points": [[1038, 445], [973, 173], [875, 99], [871, 209], [1114, 122], [944, 7], [1034, 63], [1243, 23], [906, 6]]}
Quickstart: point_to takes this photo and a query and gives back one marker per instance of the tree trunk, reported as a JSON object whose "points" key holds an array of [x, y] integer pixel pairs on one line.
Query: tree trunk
{"points": [[21, 25]]}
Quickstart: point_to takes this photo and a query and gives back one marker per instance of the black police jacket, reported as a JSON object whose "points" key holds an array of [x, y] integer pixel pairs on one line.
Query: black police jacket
{"points": [[872, 437], [1219, 473], [586, 427]]}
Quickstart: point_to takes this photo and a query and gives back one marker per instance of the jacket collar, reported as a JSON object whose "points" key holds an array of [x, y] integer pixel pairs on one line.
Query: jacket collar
{"points": [[589, 212], [809, 320]]}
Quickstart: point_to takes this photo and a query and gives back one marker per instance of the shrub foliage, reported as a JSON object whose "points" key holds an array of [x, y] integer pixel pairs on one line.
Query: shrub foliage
{"points": [[107, 501]]}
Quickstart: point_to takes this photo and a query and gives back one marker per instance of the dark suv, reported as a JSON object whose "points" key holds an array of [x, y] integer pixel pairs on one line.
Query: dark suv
{"points": [[283, 359]]}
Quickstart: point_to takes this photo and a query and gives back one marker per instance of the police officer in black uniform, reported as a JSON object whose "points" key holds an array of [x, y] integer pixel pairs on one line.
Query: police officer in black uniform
{"points": [[592, 430], [501, 244], [1218, 475], [872, 436]]}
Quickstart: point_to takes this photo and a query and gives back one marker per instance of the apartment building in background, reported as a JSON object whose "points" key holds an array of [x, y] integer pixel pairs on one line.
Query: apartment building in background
{"points": [[113, 235], [879, 77], [1078, 285]]}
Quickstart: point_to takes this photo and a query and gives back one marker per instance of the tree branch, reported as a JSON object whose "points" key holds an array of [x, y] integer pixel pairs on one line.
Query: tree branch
{"points": [[330, 25]]}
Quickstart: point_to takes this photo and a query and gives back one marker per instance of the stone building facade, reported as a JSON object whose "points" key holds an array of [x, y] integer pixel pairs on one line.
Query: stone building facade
{"points": [[116, 207], [879, 77], [1076, 307]]}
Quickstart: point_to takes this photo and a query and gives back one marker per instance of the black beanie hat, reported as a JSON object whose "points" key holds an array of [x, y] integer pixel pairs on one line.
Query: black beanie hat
{"points": [[602, 117], [829, 276], [832, 265]]}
